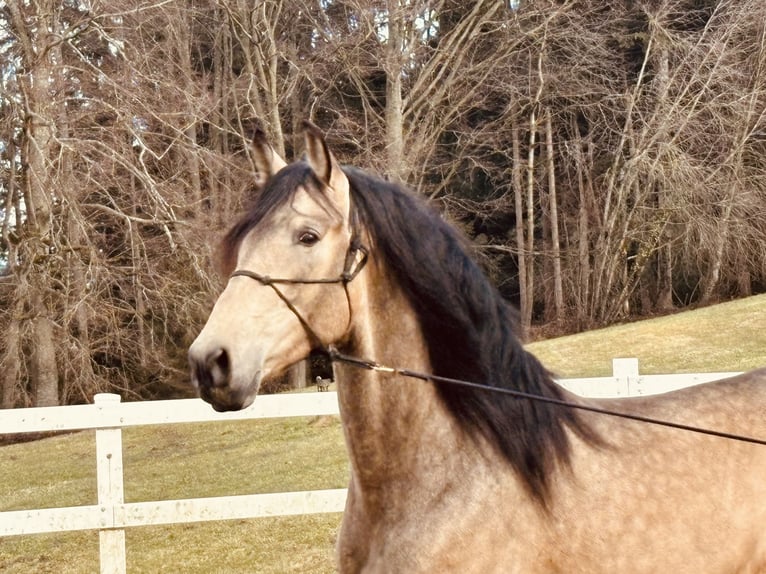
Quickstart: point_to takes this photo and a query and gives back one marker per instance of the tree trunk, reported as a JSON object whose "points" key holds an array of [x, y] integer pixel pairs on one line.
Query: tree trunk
{"points": [[558, 289], [665, 250], [297, 375], [518, 195], [219, 193], [526, 319], [43, 371], [394, 104], [10, 337], [665, 278], [744, 279], [182, 40], [713, 276], [37, 153], [10, 363], [583, 230]]}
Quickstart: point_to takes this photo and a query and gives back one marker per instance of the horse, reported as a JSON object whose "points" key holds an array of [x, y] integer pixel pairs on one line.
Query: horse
{"points": [[449, 478]]}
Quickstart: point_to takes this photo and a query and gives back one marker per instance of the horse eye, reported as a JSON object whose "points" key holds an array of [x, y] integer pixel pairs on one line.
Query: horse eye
{"points": [[308, 238]]}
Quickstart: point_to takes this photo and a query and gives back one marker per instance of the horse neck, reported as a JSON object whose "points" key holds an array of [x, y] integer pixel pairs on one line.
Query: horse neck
{"points": [[393, 424]]}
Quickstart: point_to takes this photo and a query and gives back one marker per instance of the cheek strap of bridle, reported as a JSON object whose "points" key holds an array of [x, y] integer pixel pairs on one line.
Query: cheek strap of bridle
{"points": [[352, 266]]}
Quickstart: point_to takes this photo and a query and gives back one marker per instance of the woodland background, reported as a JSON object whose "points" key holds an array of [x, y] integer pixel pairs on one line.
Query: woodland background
{"points": [[607, 158]]}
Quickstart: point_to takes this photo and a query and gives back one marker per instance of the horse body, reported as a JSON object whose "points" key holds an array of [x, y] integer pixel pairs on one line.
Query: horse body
{"points": [[655, 500], [425, 498], [452, 480], [666, 500]]}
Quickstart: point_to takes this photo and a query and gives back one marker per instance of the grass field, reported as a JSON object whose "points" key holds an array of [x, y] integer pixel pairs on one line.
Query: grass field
{"points": [[182, 461], [217, 459], [726, 337]]}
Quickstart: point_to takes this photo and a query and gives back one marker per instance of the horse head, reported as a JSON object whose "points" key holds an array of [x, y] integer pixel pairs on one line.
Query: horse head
{"points": [[293, 257]]}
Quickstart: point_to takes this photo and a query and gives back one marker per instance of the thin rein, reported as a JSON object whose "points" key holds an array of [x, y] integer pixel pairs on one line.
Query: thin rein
{"points": [[335, 355]]}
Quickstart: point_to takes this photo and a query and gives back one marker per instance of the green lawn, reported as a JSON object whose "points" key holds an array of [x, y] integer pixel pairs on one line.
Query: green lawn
{"points": [[217, 459], [726, 337], [183, 461]]}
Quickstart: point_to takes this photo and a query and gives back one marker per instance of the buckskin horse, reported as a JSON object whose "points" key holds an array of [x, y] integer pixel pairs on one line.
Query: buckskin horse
{"points": [[517, 475]]}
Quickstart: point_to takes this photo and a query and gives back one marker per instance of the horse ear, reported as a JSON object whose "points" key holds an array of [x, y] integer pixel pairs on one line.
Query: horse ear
{"points": [[267, 161], [326, 167]]}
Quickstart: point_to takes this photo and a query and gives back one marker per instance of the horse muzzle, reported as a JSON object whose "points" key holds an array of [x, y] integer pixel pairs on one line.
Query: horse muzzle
{"points": [[212, 376]]}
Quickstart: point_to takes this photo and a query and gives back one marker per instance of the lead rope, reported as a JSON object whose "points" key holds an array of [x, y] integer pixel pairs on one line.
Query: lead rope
{"points": [[336, 355]]}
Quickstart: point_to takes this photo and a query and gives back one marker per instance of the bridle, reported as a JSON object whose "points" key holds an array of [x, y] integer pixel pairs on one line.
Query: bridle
{"points": [[356, 258]]}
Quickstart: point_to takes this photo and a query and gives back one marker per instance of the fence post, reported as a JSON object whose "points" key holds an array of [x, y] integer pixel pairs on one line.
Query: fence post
{"points": [[110, 490], [626, 370]]}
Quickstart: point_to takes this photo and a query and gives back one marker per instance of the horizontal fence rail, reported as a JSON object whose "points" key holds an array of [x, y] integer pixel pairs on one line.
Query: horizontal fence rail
{"points": [[108, 416]]}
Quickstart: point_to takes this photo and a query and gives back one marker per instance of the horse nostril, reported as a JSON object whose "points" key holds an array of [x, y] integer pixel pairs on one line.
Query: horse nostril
{"points": [[210, 370], [218, 367]]}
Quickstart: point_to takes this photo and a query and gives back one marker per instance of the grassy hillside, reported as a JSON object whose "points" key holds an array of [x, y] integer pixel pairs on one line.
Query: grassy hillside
{"points": [[726, 337], [215, 459]]}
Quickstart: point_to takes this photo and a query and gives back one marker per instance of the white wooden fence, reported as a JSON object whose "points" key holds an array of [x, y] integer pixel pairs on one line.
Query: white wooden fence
{"points": [[112, 515]]}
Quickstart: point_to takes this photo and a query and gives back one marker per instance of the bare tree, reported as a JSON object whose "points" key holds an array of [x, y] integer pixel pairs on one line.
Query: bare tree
{"points": [[39, 247], [608, 158]]}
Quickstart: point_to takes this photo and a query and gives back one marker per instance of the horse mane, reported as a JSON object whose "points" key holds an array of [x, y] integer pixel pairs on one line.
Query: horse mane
{"points": [[470, 332], [470, 329]]}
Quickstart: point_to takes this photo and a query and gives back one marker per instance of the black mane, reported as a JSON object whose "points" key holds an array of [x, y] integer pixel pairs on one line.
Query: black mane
{"points": [[470, 329]]}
